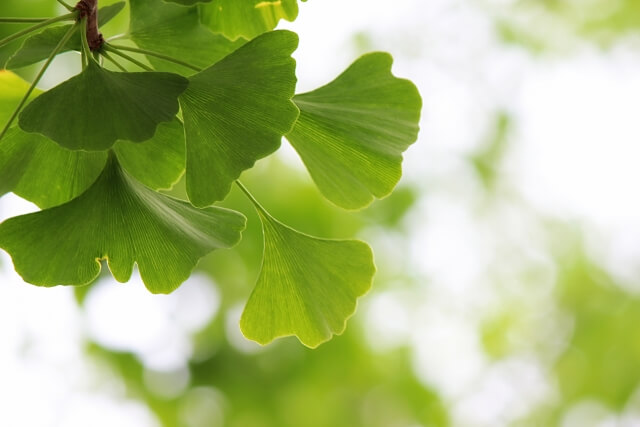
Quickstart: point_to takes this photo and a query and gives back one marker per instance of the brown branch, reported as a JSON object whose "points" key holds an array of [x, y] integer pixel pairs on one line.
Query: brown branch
{"points": [[89, 9]]}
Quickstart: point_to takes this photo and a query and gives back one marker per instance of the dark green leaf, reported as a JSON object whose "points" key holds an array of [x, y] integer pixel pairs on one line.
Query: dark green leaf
{"points": [[236, 112], [39, 46], [352, 132], [119, 220], [102, 106], [246, 18], [307, 286], [176, 31]]}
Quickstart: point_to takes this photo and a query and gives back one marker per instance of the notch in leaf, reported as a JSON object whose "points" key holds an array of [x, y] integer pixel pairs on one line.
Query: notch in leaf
{"points": [[101, 107], [236, 112], [307, 287], [122, 221], [352, 132]]}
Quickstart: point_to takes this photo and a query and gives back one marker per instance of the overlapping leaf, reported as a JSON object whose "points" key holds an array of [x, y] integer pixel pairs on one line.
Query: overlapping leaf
{"points": [[39, 46], [236, 112], [176, 31], [94, 109], [119, 220], [307, 286], [352, 132], [246, 18], [39, 170]]}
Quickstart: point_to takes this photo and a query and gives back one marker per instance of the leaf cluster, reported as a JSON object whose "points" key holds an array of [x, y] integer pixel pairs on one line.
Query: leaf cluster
{"points": [[213, 94]]}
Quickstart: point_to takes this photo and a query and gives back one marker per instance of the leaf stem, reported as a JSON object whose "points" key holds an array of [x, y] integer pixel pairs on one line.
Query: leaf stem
{"points": [[46, 65], [113, 61], [158, 55], [256, 204], [109, 48], [86, 50], [22, 20], [67, 17], [66, 5]]}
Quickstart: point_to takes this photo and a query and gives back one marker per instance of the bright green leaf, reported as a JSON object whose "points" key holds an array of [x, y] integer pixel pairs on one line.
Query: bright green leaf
{"points": [[158, 163], [39, 170], [176, 31], [188, 2], [352, 132], [307, 286], [236, 112], [122, 221], [39, 46], [12, 89], [246, 18], [102, 106]]}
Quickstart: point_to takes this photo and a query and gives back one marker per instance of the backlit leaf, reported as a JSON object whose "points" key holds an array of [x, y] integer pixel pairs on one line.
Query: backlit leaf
{"points": [[246, 18], [94, 109], [176, 31], [12, 89], [352, 132], [39, 46], [307, 286], [122, 221], [236, 112]]}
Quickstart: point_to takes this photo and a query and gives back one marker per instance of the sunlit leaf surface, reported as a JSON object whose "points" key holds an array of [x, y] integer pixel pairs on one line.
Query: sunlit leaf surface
{"points": [[352, 132], [246, 18]]}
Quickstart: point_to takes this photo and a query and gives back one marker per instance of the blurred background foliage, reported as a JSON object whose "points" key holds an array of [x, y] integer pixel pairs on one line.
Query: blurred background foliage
{"points": [[554, 337]]}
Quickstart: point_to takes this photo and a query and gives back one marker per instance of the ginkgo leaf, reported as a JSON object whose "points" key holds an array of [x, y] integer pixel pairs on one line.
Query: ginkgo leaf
{"points": [[122, 221], [352, 132], [307, 287], [246, 18], [187, 2], [176, 31], [159, 162], [94, 109], [39, 170], [39, 46], [236, 111]]}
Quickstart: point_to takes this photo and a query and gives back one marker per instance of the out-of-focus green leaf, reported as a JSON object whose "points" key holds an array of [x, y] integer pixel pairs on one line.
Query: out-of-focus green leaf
{"points": [[101, 107], [246, 18], [122, 221], [352, 132], [39, 46], [176, 31], [12, 89], [236, 112], [307, 286]]}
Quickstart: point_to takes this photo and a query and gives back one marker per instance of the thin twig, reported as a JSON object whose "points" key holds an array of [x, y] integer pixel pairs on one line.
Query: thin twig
{"points": [[12, 37]]}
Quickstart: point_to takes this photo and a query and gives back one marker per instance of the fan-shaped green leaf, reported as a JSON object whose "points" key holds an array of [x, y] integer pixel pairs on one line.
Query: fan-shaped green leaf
{"points": [[307, 286], [39, 170], [246, 18], [119, 220], [102, 106], [176, 31], [352, 132], [236, 112], [39, 46]]}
